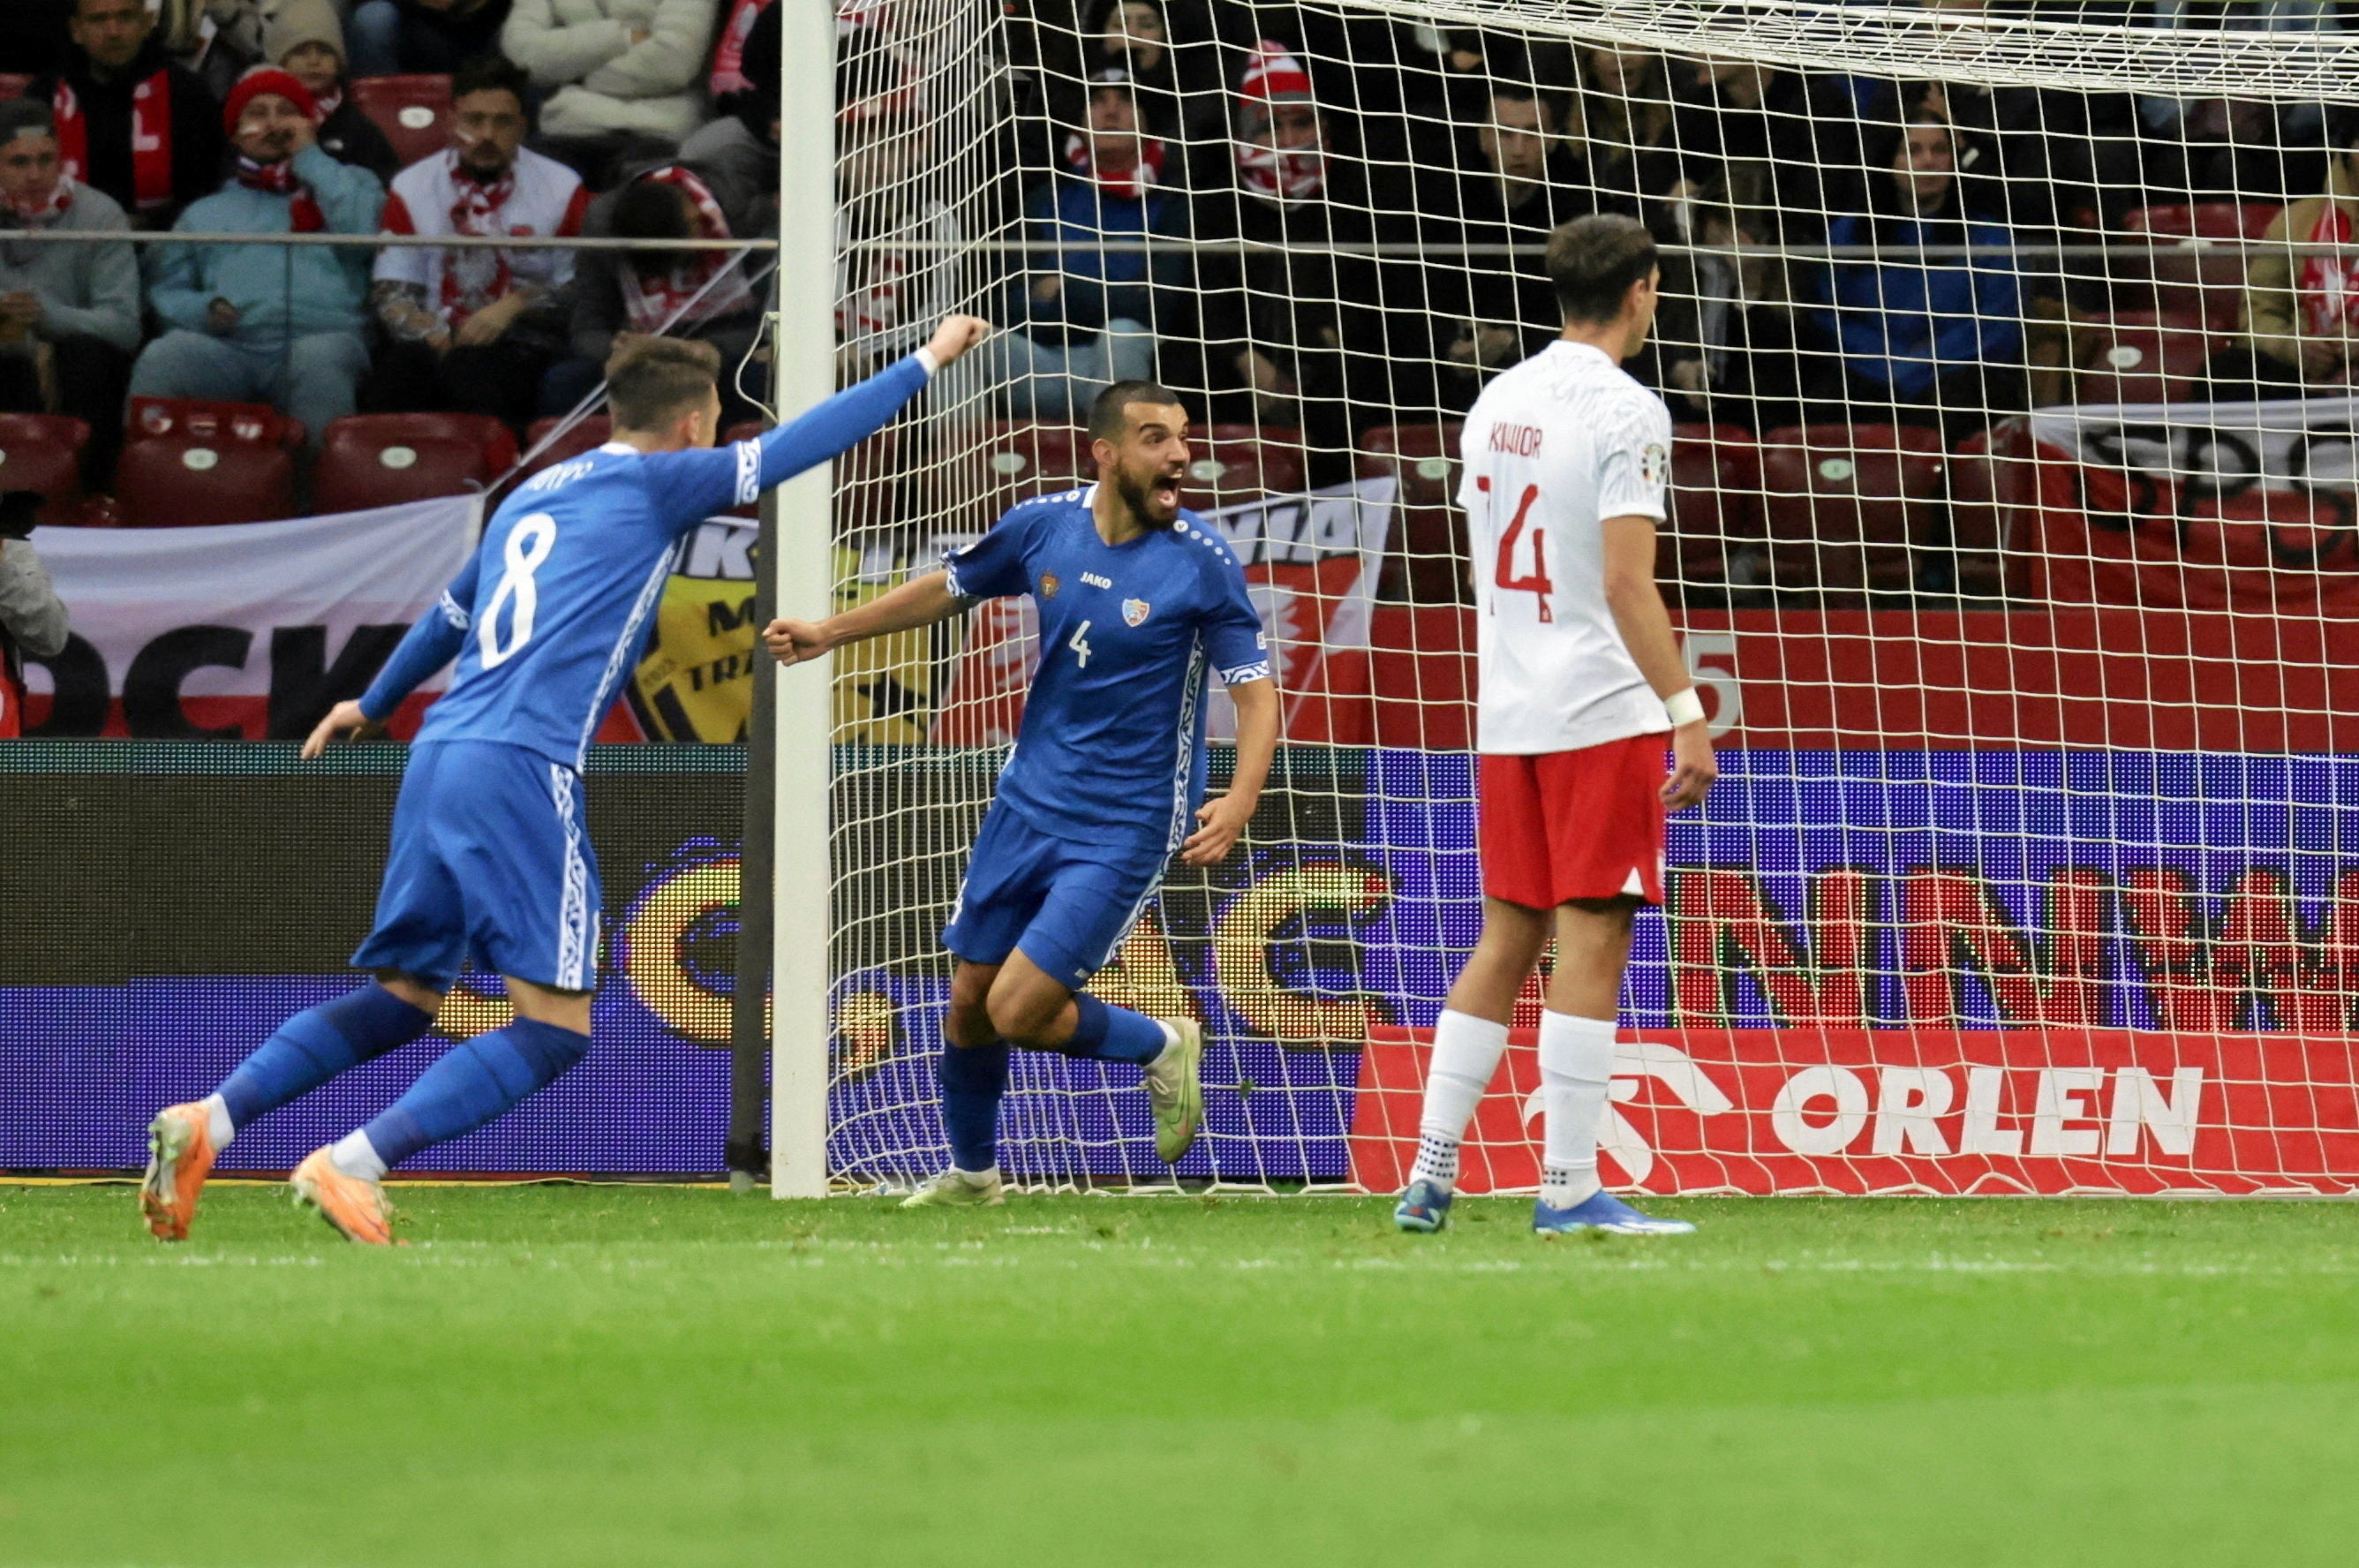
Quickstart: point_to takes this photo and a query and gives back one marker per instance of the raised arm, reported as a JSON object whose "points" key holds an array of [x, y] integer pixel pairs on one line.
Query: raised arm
{"points": [[920, 601]]}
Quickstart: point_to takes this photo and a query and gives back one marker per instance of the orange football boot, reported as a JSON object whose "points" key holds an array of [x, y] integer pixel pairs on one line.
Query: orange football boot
{"points": [[357, 1208], [179, 1156]]}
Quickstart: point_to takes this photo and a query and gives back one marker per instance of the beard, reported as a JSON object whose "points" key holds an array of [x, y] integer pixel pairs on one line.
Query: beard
{"points": [[1139, 495]]}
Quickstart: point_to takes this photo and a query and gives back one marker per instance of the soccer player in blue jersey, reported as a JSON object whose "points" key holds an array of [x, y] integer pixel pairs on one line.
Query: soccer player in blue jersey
{"points": [[1138, 602], [489, 858]]}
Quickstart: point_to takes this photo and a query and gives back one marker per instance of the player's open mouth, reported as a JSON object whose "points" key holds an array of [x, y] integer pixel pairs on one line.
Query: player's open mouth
{"points": [[1167, 491]]}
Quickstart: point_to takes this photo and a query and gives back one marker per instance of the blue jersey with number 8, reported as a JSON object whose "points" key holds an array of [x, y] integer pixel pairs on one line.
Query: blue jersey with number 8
{"points": [[554, 610], [1113, 737]]}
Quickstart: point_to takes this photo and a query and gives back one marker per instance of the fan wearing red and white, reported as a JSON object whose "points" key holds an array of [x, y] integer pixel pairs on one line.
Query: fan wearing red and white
{"points": [[1566, 458]]}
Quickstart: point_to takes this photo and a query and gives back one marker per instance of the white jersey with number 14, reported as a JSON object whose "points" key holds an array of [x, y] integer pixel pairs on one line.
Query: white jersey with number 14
{"points": [[1553, 448]]}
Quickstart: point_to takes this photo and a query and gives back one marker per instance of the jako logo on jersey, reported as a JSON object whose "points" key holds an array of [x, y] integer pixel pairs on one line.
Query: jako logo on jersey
{"points": [[1048, 585], [1653, 463], [1094, 580], [1135, 611]]}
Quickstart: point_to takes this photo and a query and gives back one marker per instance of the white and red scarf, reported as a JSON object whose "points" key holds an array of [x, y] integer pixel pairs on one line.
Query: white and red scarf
{"points": [[303, 215], [2328, 288], [1281, 176], [151, 139], [653, 301], [1130, 184], [48, 210], [729, 54], [474, 278]]}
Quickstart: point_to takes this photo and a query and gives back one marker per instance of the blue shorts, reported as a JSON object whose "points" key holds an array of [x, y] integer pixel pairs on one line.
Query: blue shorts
{"points": [[1068, 906], [489, 859]]}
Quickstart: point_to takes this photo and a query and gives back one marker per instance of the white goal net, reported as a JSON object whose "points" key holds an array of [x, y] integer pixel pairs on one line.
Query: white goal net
{"points": [[2011, 354]]}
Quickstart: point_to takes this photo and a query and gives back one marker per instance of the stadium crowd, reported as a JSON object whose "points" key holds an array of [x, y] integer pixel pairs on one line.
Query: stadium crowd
{"points": [[1348, 189]]}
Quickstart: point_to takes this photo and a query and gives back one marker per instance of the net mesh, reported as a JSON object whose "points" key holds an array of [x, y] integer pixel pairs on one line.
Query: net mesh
{"points": [[2010, 544]]}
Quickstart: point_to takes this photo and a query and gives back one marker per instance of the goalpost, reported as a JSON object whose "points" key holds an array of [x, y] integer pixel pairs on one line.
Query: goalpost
{"points": [[2011, 541]]}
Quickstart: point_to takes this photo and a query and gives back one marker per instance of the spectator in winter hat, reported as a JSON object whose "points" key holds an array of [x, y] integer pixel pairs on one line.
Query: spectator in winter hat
{"points": [[129, 122], [1293, 332], [305, 40], [279, 324], [68, 313], [474, 330]]}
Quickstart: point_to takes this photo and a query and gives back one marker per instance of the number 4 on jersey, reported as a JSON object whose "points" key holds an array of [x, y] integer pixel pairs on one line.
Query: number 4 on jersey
{"points": [[1538, 581]]}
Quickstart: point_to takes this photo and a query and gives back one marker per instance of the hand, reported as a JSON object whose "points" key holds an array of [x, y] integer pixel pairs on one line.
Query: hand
{"points": [[303, 133], [1223, 822], [344, 719], [1693, 767], [637, 36], [22, 307], [1496, 345], [792, 642], [490, 323], [958, 336], [220, 318], [2321, 358], [1048, 288], [1687, 376]]}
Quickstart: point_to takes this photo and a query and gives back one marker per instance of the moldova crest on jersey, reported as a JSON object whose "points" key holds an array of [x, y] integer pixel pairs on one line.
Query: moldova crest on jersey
{"points": [[1134, 611]]}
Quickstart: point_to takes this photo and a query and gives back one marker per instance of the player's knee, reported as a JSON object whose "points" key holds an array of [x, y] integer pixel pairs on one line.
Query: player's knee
{"points": [[1019, 1018], [968, 1022]]}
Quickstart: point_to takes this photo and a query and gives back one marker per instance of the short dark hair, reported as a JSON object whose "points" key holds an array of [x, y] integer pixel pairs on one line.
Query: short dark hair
{"points": [[1592, 262], [1109, 412], [652, 381], [651, 210], [492, 74]]}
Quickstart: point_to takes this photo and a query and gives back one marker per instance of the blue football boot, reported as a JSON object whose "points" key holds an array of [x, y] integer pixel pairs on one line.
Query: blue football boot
{"points": [[1601, 1211], [1424, 1208]]}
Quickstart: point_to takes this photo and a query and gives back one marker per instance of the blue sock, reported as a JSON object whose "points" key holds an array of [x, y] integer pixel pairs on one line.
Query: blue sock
{"points": [[314, 1046], [973, 1077], [1114, 1034], [475, 1080]]}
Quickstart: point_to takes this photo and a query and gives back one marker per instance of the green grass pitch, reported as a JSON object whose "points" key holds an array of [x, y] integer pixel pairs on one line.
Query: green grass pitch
{"points": [[641, 1376]]}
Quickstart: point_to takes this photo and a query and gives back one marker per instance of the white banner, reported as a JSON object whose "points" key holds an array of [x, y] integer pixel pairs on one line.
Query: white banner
{"points": [[250, 630]]}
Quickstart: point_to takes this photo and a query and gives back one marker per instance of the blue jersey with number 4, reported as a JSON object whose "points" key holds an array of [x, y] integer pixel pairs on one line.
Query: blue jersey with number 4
{"points": [[554, 610], [1113, 739]]}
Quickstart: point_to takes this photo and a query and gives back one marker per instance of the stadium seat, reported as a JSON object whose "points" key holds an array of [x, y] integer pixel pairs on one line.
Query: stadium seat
{"points": [[182, 480], [2187, 276], [414, 111], [1715, 506], [1007, 462], [43, 453], [383, 460], [1425, 561], [1845, 502], [2126, 364], [13, 86], [1229, 464], [592, 432]]}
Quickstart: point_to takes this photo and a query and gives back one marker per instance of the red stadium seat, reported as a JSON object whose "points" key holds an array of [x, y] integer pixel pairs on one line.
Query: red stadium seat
{"points": [[183, 480], [592, 432], [1715, 505], [414, 111], [2124, 364], [1003, 464], [1228, 463], [2191, 277], [383, 460], [1844, 502], [1426, 561], [13, 85], [43, 453]]}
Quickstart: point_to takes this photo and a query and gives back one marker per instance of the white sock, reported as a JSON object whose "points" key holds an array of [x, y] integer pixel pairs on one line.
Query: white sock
{"points": [[1576, 1071], [1465, 1053], [356, 1157], [1171, 1037], [217, 1126], [982, 1178]]}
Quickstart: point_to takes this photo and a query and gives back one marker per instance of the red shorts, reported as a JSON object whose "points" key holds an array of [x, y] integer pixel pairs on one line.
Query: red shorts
{"points": [[1574, 824]]}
